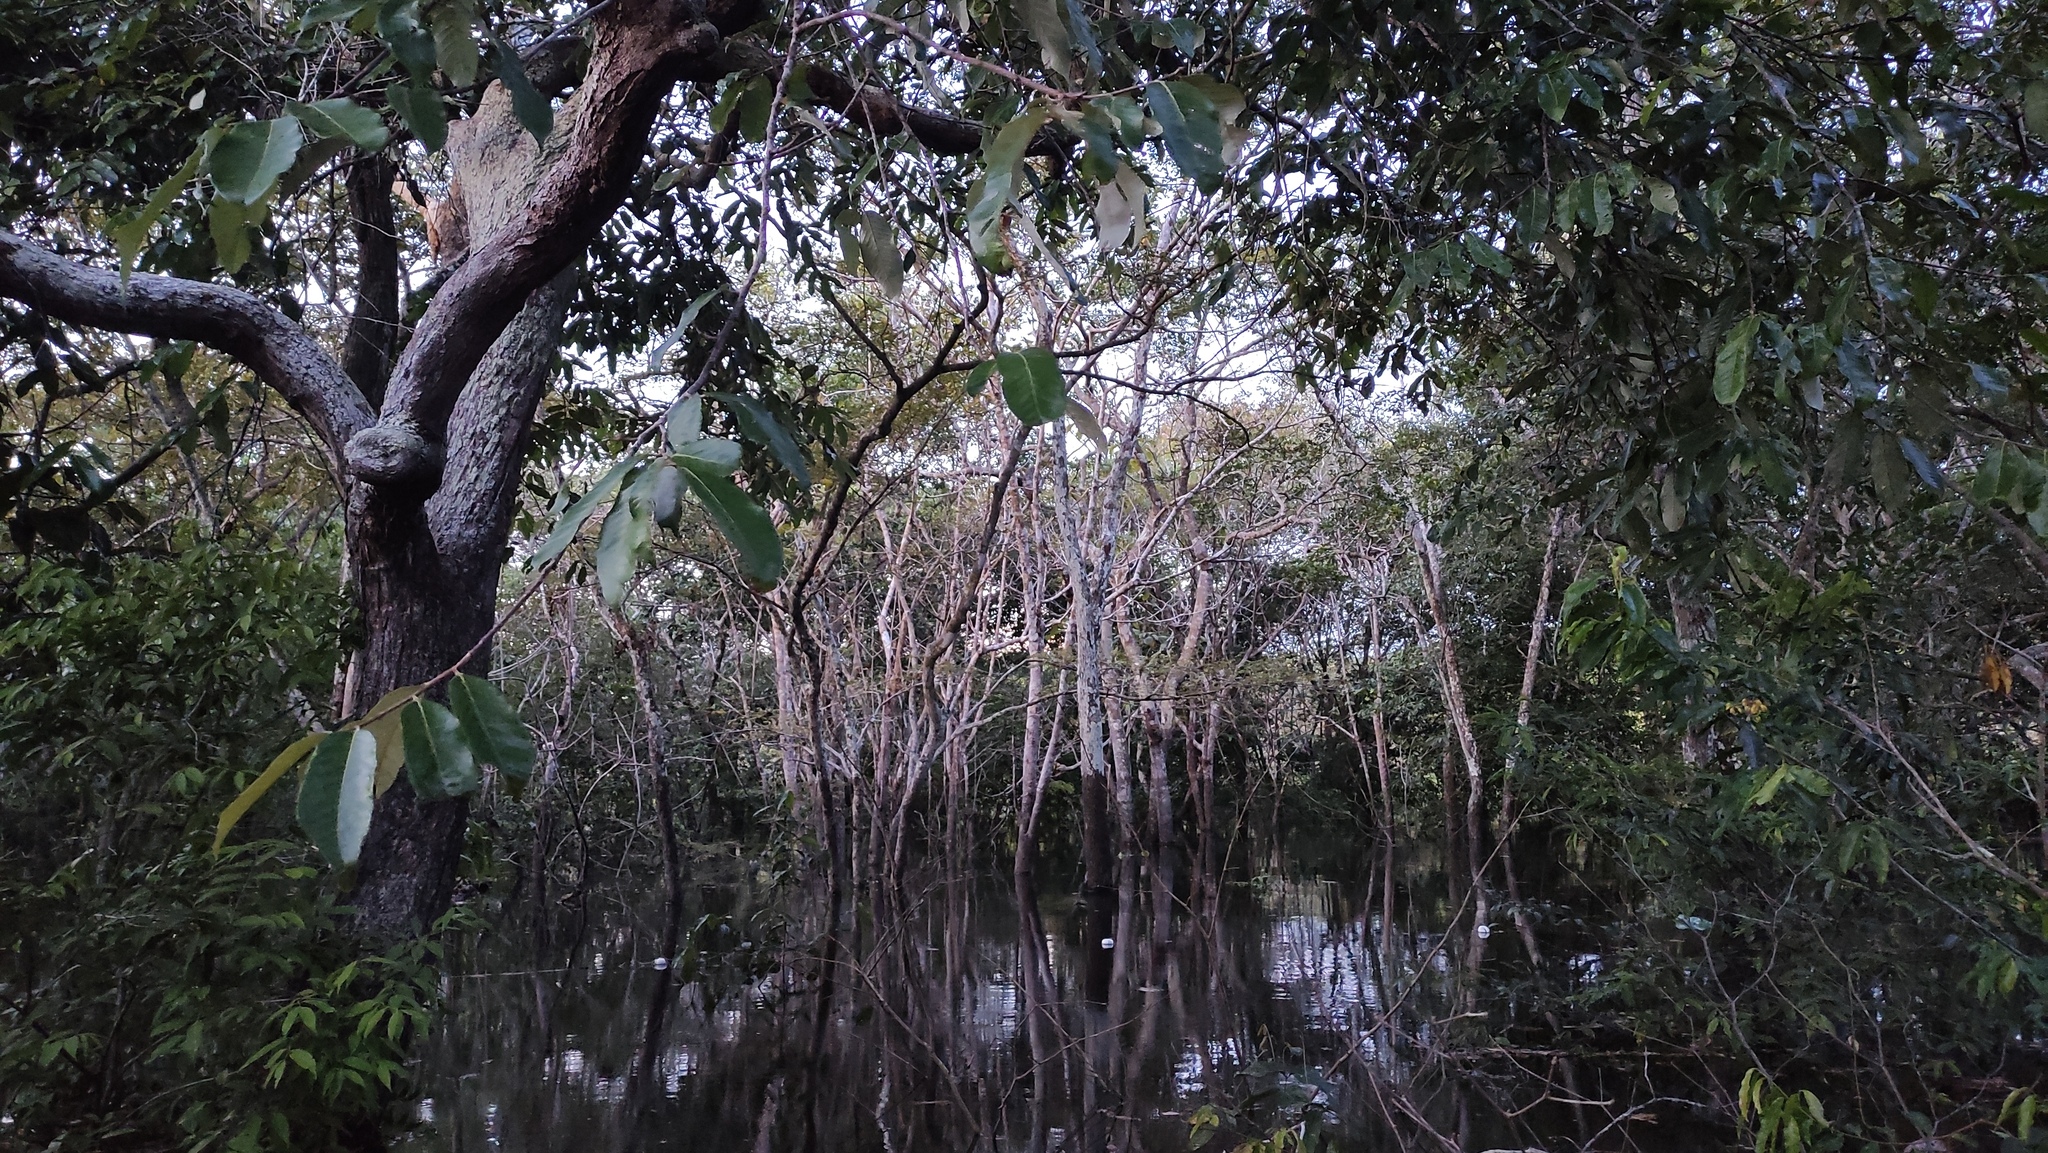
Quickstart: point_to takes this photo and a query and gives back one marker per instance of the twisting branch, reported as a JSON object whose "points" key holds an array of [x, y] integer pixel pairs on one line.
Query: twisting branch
{"points": [[638, 53], [279, 352]]}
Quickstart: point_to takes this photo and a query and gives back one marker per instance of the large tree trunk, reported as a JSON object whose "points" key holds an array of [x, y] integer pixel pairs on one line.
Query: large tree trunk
{"points": [[427, 575]]}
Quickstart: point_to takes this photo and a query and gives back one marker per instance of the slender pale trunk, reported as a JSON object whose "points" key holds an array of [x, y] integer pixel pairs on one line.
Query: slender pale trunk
{"points": [[1524, 704], [1453, 686], [1379, 719], [1030, 781], [1692, 618], [1085, 632]]}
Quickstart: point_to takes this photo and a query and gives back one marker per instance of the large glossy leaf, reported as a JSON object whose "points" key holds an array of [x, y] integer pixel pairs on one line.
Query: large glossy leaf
{"points": [[454, 27], [1042, 18], [131, 234], [991, 193], [714, 452], [665, 499], [760, 426], [420, 106], [535, 114], [740, 518], [249, 157], [382, 720], [878, 252], [398, 25], [1192, 128], [624, 542], [281, 764], [343, 118], [572, 521], [227, 222], [335, 801], [1033, 385], [1731, 363], [439, 763], [491, 726]]}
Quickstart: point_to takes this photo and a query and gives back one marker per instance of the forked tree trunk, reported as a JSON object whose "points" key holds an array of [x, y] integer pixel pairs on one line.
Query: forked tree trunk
{"points": [[427, 575]]}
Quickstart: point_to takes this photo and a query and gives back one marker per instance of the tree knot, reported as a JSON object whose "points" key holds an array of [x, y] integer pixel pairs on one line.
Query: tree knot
{"points": [[396, 456]]}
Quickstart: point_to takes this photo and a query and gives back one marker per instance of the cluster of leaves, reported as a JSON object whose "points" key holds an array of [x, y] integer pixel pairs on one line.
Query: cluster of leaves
{"points": [[153, 994], [1790, 241], [251, 164], [438, 746]]}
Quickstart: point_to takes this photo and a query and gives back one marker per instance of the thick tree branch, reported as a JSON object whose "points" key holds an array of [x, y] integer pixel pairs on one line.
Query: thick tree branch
{"points": [[372, 341], [278, 351], [884, 114], [638, 53]]}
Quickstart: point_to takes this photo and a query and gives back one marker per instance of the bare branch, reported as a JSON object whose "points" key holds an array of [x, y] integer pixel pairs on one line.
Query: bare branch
{"points": [[278, 351]]}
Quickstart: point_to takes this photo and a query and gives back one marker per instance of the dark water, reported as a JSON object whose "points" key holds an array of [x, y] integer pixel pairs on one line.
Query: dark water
{"points": [[973, 1013]]}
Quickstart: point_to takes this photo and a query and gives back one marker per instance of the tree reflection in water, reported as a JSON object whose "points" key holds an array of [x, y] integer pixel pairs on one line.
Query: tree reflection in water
{"points": [[968, 1014]]}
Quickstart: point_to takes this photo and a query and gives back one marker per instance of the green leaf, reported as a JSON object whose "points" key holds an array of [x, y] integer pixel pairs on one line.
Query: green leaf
{"points": [[335, 801], [659, 354], [535, 114], [343, 118], [249, 157], [420, 106], [1731, 364], [491, 726], [878, 253], [990, 193], [247, 798], [715, 453], [625, 541], [130, 235], [454, 25], [685, 421], [1890, 474], [228, 223], [572, 521], [439, 762], [398, 25], [1486, 255], [760, 426], [1554, 94], [1193, 130], [1033, 385], [978, 379], [331, 11], [2034, 104], [1042, 20], [740, 518], [665, 498]]}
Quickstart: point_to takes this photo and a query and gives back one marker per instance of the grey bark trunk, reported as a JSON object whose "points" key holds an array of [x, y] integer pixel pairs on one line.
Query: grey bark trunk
{"points": [[427, 575]]}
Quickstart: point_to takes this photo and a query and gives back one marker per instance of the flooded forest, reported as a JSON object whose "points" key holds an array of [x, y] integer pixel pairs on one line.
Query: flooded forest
{"points": [[1023, 576]]}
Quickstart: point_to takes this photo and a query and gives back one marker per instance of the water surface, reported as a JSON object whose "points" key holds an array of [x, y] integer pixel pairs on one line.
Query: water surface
{"points": [[961, 1013]]}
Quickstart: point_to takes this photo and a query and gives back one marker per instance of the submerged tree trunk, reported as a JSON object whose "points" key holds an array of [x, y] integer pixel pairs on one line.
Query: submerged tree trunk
{"points": [[1524, 704], [1097, 856]]}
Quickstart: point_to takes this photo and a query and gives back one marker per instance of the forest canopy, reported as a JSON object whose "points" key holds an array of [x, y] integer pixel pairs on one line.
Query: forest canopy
{"points": [[461, 456]]}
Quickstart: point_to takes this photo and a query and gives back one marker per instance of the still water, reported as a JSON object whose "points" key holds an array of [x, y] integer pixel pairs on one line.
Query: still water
{"points": [[964, 1013]]}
